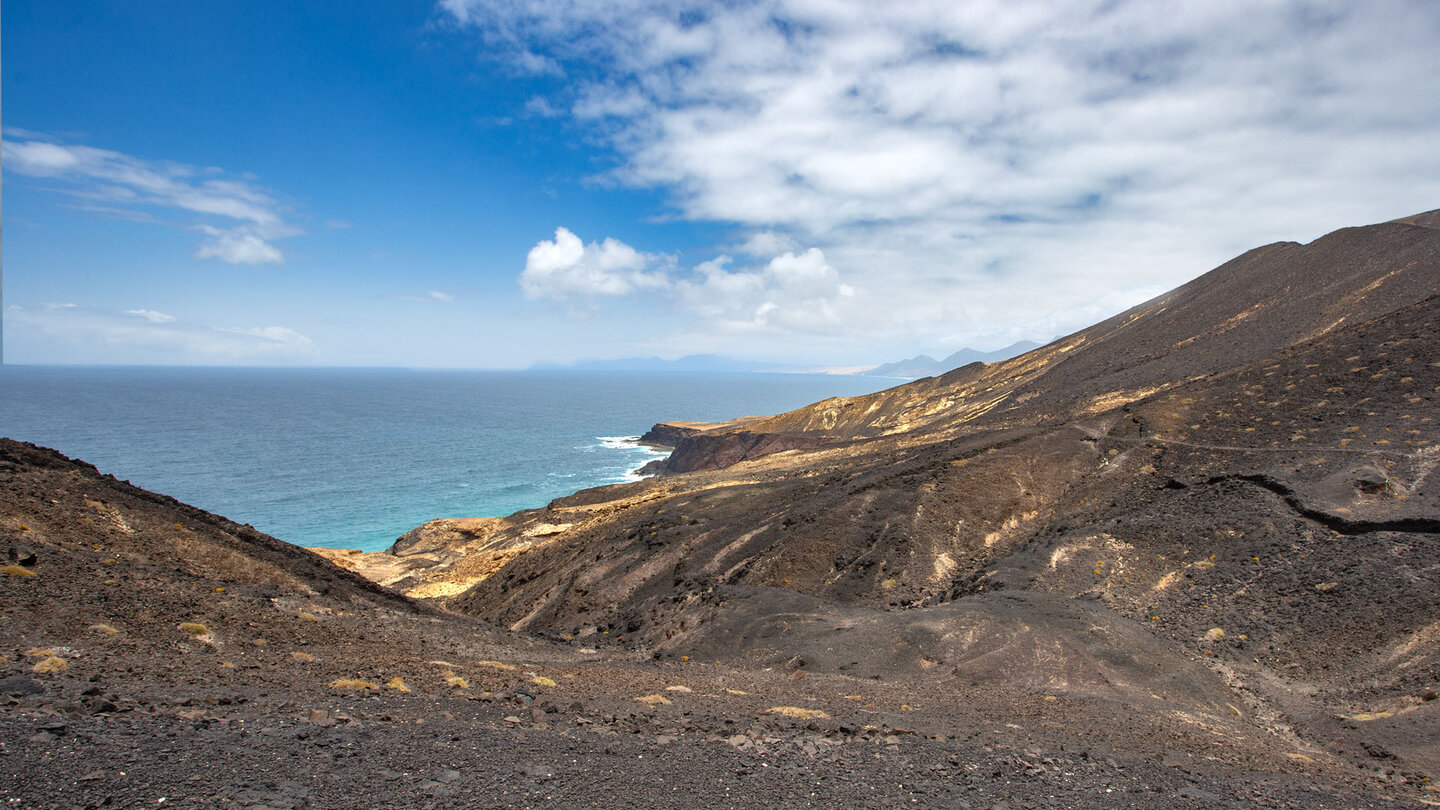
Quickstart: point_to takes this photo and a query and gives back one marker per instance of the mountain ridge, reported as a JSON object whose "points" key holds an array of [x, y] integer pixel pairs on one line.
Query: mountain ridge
{"points": [[1065, 471]]}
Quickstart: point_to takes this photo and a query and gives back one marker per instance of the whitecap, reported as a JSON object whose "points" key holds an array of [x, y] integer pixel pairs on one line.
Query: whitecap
{"points": [[620, 442]]}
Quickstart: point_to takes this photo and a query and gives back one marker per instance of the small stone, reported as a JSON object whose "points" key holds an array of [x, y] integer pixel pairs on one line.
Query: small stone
{"points": [[446, 775], [513, 720], [92, 776]]}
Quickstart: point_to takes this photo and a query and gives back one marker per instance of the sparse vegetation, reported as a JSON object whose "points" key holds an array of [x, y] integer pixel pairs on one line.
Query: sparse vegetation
{"points": [[654, 700], [17, 571], [541, 680], [195, 629], [47, 666], [303, 657], [352, 684], [398, 684], [104, 629], [797, 713], [457, 681]]}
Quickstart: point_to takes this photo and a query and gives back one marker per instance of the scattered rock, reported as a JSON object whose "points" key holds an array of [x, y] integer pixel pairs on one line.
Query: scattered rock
{"points": [[534, 771], [20, 685]]}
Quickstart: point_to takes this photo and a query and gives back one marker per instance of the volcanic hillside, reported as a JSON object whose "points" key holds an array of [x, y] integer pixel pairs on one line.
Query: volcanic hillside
{"points": [[1222, 498], [155, 655]]}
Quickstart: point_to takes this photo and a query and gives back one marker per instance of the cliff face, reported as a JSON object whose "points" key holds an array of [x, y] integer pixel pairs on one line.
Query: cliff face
{"points": [[714, 451]]}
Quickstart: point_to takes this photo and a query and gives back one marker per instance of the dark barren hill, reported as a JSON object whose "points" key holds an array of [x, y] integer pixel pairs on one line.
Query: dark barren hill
{"points": [[1186, 555]]}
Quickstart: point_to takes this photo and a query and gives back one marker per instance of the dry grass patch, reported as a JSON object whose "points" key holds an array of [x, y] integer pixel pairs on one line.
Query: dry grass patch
{"points": [[104, 629], [398, 684], [654, 700], [303, 657], [18, 571], [195, 629], [457, 681], [309, 617], [496, 665], [541, 680], [352, 684], [47, 666], [797, 713]]}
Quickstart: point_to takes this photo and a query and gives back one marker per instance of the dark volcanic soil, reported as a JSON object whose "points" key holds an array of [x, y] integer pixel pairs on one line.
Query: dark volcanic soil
{"points": [[248, 710], [1186, 557]]}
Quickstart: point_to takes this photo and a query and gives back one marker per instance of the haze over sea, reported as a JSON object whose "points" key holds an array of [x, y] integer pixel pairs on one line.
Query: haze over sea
{"points": [[353, 458]]}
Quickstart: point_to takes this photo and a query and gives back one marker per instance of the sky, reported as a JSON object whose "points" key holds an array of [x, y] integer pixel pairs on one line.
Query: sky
{"points": [[498, 183]]}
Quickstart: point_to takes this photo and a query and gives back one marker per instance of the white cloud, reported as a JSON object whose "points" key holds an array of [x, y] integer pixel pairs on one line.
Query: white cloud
{"points": [[539, 105], [148, 336], [945, 156], [240, 220], [765, 244], [272, 340], [238, 247], [566, 268], [792, 292], [151, 315], [430, 297]]}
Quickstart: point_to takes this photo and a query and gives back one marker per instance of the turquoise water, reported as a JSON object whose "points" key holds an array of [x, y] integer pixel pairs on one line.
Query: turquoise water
{"points": [[353, 458]]}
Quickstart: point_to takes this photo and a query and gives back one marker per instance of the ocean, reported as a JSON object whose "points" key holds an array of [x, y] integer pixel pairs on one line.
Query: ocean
{"points": [[353, 458]]}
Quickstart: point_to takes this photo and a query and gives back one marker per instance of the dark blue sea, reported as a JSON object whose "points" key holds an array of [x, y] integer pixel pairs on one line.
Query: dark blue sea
{"points": [[353, 458]]}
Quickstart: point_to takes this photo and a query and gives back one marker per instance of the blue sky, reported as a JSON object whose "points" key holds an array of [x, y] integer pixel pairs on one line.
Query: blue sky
{"points": [[492, 184]]}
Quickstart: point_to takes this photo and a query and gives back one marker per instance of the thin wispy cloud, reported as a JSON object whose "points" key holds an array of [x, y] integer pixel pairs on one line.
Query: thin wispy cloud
{"points": [[239, 220], [156, 337], [944, 155], [151, 315], [430, 297]]}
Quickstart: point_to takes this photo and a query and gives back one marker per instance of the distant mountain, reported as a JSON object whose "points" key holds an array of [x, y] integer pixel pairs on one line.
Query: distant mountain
{"points": [[690, 363], [926, 366]]}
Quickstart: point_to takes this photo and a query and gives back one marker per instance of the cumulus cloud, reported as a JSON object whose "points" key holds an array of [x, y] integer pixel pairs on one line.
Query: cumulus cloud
{"points": [[793, 292], [240, 220], [151, 336], [567, 268], [944, 154]]}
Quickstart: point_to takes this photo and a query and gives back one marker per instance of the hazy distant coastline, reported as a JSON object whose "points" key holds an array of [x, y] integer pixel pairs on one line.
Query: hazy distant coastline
{"points": [[919, 366]]}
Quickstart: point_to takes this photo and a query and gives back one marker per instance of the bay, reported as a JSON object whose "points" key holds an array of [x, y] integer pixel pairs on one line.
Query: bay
{"points": [[352, 458]]}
